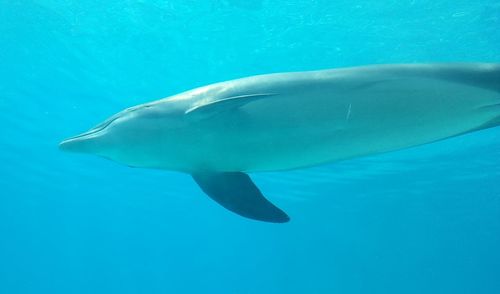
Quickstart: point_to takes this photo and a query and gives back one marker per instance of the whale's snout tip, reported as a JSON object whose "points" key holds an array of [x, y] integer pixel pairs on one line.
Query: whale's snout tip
{"points": [[81, 144], [68, 145], [61, 145]]}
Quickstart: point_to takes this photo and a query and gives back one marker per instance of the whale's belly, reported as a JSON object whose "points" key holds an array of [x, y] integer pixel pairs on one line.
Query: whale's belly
{"points": [[325, 124]]}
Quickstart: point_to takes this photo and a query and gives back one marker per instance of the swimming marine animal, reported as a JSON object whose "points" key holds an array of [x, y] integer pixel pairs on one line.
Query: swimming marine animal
{"points": [[220, 132]]}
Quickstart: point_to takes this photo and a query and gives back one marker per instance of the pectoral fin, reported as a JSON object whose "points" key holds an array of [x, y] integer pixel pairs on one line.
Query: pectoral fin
{"points": [[236, 192], [225, 104]]}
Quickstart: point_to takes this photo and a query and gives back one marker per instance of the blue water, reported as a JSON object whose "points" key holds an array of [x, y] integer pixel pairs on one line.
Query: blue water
{"points": [[423, 220]]}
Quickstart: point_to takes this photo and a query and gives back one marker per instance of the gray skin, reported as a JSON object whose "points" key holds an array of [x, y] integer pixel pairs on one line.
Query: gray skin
{"points": [[293, 120]]}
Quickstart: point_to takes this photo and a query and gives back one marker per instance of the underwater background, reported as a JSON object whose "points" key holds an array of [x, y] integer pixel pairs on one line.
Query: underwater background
{"points": [[421, 220]]}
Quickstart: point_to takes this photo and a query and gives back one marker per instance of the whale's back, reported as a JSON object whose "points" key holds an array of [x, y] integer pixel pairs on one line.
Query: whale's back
{"points": [[293, 120]]}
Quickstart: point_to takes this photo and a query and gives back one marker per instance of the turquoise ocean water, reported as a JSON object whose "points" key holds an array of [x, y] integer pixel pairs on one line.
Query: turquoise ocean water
{"points": [[422, 220]]}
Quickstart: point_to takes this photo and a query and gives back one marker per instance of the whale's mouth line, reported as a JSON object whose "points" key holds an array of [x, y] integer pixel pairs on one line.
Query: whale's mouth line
{"points": [[83, 135], [86, 134], [70, 143], [102, 126], [99, 128]]}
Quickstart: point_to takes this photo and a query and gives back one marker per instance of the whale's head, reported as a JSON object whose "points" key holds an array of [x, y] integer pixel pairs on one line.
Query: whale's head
{"points": [[99, 139], [129, 135]]}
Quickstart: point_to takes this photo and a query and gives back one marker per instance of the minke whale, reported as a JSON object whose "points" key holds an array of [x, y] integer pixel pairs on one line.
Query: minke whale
{"points": [[220, 132]]}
